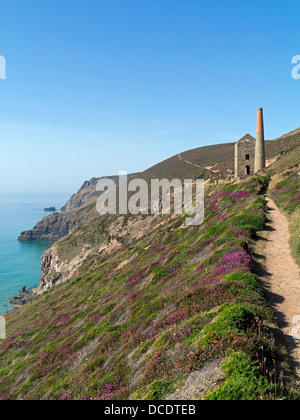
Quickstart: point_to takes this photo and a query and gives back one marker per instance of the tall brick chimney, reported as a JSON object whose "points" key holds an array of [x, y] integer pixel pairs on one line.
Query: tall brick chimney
{"points": [[260, 154]]}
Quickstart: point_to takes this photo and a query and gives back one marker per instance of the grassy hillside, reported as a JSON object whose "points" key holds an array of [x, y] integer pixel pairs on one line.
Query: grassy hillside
{"points": [[215, 161], [153, 307], [285, 190], [285, 186], [138, 324], [210, 162]]}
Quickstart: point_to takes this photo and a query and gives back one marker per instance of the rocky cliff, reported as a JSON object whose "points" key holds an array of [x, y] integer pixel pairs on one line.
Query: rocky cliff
{"points": [[101, 236], [78, 211], [87, 194], [58, 225]]}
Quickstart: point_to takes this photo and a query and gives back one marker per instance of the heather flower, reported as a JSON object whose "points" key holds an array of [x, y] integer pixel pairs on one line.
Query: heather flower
{"points": [[233, 261]]}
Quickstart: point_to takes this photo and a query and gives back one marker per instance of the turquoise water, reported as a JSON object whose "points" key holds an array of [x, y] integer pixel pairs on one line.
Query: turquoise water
{"points": [[20, 262]]}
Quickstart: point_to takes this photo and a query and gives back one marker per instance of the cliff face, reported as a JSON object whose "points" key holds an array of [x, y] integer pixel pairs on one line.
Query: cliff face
{"points": [[77, 212], [102, 236], [87, 194], [55, 270], [50, 228], [58, 225]]}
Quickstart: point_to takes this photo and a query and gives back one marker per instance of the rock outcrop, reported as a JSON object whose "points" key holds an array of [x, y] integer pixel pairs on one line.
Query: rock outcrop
{"points": [[102, 236], [78, 211], [58, 225], [87, 194], [24, 297], [50, 228]]}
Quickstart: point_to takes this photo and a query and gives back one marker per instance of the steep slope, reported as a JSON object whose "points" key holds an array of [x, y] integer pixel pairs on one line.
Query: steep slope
{"points": [[87, 194], [210, 163], [58, 225], [137, 324], [145, 308]]}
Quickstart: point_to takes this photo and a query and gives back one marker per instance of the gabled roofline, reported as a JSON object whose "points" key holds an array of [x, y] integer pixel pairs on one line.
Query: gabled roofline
{"points": [[247, 136]]}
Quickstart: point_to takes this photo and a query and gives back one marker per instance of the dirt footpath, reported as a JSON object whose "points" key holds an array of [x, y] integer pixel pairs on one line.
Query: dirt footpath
{"points": [[282, 281]]}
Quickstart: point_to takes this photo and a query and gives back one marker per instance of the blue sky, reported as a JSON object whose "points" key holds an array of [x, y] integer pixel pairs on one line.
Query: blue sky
{"points": [[98, 86]]}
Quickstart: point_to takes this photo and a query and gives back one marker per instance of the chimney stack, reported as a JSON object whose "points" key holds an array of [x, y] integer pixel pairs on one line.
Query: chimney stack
{"points": [[260, 155]]}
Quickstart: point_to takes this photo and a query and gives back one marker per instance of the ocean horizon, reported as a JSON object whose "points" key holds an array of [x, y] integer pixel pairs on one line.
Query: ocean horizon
{"points": [[20, 262]]}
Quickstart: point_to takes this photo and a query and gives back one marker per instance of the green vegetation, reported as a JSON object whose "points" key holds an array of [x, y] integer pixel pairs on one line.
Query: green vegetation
{"points": [[295, 234], [244, 381], [180, 299], [137, 321], [158, 390], [285, 190]]}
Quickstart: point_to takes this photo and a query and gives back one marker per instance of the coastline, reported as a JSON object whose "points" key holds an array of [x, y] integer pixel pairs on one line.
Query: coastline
{"points": [[25, 296], [21, 261]]}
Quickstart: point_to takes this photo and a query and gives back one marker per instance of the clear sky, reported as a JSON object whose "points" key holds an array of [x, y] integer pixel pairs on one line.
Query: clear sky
{"points": [[98, 86]]}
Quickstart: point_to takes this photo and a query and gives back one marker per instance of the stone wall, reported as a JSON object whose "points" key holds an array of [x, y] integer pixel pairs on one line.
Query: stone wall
{"points": [[245, 157]]}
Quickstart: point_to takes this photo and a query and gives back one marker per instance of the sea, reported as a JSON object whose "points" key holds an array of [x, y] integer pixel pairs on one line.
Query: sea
{"points": [[20, 262]]}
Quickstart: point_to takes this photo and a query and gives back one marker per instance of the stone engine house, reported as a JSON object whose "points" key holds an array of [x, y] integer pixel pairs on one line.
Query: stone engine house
{"points": [[250, 152], [245, 157]]}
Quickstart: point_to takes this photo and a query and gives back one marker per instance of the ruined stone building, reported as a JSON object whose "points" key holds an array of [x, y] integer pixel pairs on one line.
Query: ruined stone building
{"points": [[250, 152]]}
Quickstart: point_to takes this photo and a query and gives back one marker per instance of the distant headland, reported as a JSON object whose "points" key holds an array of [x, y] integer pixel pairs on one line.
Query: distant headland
{"points": [[50, 209]]}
